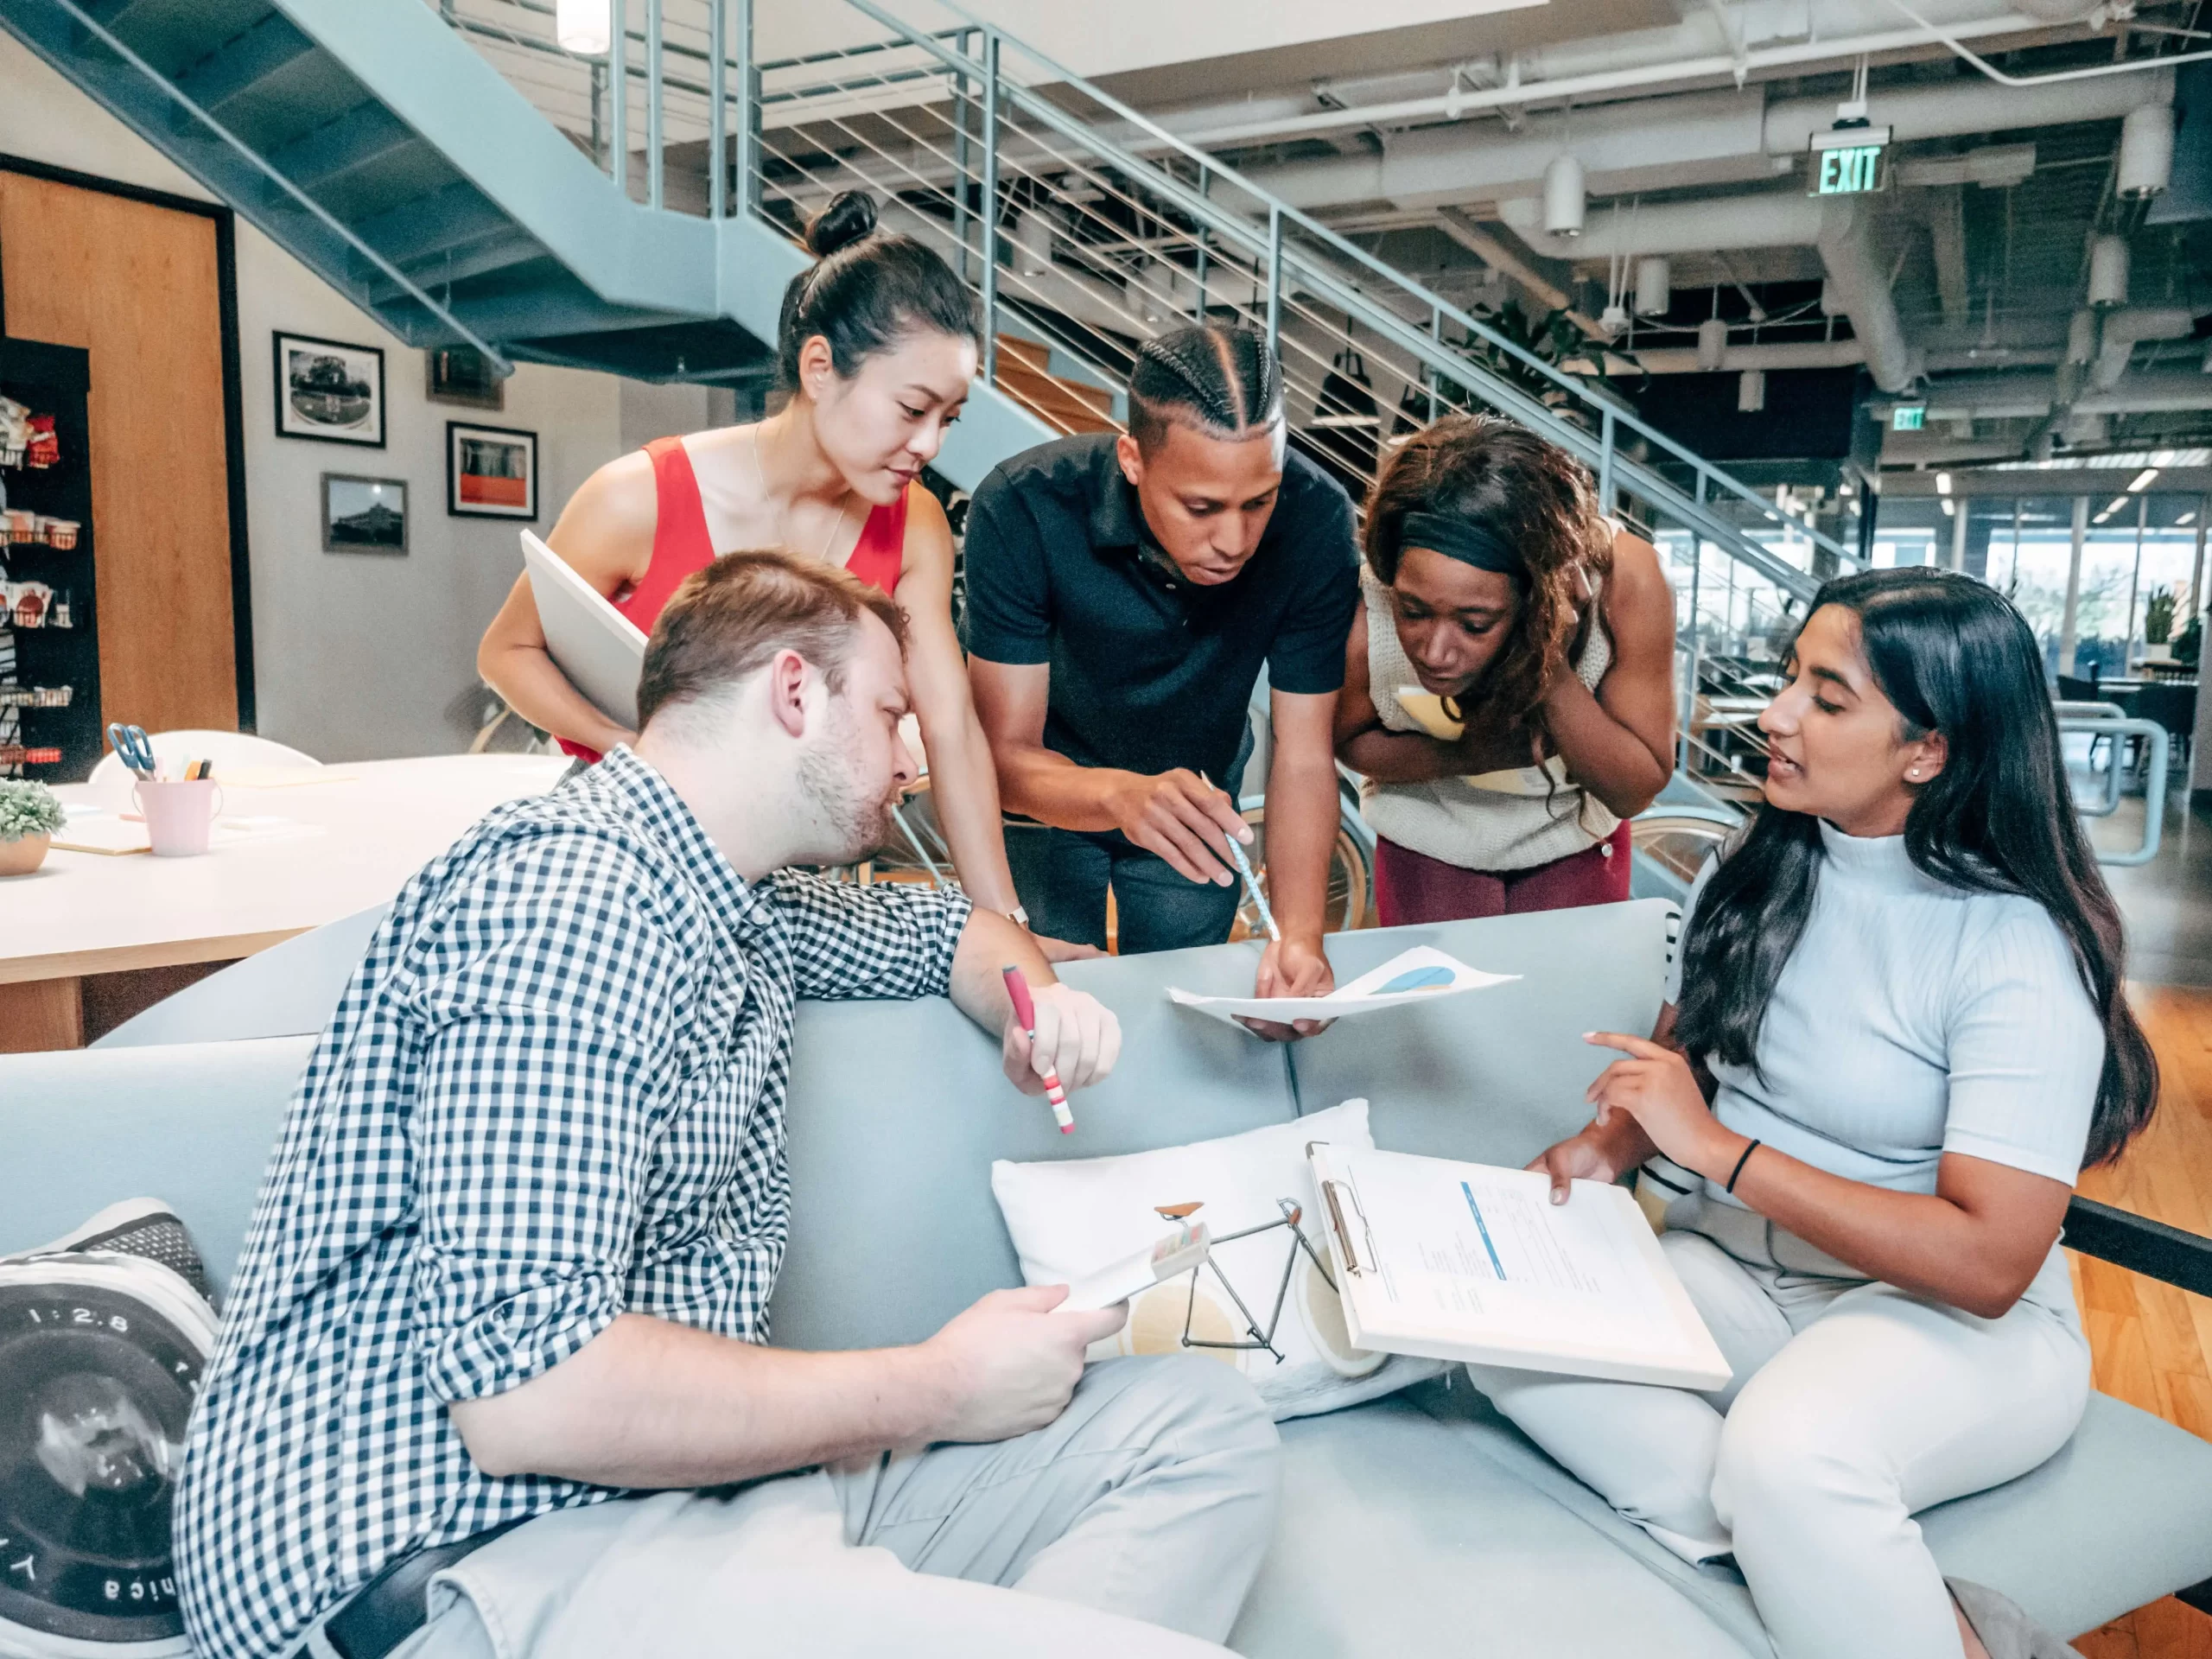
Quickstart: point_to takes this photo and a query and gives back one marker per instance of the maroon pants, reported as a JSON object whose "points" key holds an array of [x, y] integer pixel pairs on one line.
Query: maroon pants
{"points": [[1411, 886]]}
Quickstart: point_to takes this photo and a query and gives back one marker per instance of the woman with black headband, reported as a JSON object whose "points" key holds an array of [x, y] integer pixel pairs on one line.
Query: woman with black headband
{"points": [[1509, 687]]}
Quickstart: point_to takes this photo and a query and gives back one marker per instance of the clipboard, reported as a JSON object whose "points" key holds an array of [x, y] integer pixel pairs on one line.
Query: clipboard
{"points": [[599, 650], [1470, 1261]]}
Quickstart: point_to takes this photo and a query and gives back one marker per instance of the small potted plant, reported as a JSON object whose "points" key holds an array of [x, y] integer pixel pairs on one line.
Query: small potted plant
{"points": [[28, 817], [2158, 626]]}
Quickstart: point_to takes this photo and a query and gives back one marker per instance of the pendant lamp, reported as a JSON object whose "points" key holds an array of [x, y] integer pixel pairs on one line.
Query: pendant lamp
{"points": [[584, 27]]}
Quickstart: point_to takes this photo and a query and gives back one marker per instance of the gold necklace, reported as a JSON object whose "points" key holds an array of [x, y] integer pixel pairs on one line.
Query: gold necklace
{"points": [[783, 517]]}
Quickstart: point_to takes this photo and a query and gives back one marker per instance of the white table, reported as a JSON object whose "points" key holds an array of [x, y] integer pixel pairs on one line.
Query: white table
{"points": [[367, 828]]}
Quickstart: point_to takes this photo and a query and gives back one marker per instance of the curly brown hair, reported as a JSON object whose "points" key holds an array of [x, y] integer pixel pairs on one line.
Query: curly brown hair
{"points": [[1523, 488]]}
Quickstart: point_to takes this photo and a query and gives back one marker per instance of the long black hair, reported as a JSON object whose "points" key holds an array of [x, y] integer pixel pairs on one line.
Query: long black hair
{"points": [[867, 292], [1952, 657]]}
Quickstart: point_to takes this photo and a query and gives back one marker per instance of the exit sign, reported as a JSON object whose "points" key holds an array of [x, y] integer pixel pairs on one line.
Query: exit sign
{"points": [[1908, 417], [1847, 161]]}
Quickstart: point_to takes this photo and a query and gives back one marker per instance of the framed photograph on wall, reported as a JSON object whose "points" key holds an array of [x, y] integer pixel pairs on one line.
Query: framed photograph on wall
{"points": [[364, 515], [328, 390], [490, 471]]}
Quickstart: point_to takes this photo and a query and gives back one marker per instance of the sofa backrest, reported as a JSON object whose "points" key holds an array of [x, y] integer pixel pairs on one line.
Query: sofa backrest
{"points": [[1496, 1076], [192, 1124], [898, 1109]]}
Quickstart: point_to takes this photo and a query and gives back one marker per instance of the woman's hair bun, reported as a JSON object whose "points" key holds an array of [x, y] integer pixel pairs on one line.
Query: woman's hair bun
{"points": [[849, 217]]}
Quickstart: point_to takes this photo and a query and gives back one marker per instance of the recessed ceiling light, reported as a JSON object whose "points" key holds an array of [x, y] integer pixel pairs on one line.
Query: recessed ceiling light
{"points": [[2184, 521], [2142, 479], [1942, 483]]}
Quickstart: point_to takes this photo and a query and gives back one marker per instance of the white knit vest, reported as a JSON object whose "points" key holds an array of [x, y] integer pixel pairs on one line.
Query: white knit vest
{"points": [[1450, 819]]}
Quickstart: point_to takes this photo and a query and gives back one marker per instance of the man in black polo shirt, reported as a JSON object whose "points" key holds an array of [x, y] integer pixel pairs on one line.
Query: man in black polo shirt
{"points": [[1123, 594]]}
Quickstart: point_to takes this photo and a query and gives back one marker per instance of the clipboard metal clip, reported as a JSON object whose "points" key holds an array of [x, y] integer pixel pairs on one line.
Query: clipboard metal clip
{"points": [[1329, 1190]]}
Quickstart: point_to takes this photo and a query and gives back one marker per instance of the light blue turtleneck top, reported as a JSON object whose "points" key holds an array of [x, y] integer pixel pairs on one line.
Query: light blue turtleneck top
{"points": [[1915, 1019]]}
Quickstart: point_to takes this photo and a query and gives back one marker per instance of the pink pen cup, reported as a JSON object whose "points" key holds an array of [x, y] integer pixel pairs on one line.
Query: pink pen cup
{"points": [[179, 814]]}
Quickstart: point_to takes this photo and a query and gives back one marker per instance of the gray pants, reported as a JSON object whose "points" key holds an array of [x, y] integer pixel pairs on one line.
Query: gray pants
{"points": [[1853, 1405], [1152, 1499]]}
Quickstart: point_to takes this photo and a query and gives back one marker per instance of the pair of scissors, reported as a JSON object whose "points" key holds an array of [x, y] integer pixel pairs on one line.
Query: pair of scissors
{"points": [[135, 748]]}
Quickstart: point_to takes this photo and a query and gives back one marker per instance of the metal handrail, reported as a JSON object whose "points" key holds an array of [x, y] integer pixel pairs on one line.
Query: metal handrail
{"points": [[1279, 212], [1297, 267], [1282, 268]]}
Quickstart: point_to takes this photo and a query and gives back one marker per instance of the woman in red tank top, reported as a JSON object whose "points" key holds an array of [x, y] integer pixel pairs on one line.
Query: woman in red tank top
{"points": [[877, 347]]}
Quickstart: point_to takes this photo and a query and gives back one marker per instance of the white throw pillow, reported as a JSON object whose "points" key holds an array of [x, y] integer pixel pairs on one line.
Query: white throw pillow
{"points": [[1070, 1219]]}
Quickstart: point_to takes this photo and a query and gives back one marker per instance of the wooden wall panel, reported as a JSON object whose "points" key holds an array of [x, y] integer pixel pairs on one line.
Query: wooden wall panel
{"points": [[137, 285]]}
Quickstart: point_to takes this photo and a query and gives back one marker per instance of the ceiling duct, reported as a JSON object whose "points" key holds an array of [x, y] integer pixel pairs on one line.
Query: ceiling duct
{"points": [[1847, 250]]}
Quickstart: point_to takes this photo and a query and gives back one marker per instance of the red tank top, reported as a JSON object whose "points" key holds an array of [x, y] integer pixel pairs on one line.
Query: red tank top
{"points": [[681, 546]]}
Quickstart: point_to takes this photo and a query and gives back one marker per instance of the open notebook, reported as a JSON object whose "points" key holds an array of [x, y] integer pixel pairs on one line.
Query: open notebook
{"points": [[1470, 1261]]}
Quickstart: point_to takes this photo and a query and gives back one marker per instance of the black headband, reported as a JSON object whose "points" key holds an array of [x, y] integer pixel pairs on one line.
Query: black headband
{"points": [[1463, 539]]}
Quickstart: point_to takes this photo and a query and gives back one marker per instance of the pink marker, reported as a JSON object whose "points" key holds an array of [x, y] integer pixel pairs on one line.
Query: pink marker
{"points": [[1024, 1010]]}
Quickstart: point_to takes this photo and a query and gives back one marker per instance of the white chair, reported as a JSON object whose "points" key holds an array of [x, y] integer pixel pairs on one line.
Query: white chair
{"points": [[288, 990], [224, 749]]}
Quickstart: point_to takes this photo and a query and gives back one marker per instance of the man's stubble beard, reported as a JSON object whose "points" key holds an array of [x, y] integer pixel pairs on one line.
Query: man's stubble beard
{"points": [[857, 823]]}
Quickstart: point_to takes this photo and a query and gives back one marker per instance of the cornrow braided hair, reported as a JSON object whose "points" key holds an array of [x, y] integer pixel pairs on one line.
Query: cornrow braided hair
{"points": [[1221, 380]]}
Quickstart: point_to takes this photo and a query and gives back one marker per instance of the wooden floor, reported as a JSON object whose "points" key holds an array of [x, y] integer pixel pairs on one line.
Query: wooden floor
{"points": [[2152, 1343]]}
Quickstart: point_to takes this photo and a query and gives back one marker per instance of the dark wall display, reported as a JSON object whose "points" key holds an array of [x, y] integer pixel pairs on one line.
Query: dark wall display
{"points": [[49, 644]]}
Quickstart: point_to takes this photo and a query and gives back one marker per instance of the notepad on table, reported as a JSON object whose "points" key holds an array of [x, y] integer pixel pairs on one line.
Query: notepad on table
{"points": [[1470, 1261]]}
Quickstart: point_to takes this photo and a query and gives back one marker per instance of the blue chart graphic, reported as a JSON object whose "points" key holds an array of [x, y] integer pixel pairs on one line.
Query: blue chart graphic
{"points": [[1495, 1266], [1417, 979]]}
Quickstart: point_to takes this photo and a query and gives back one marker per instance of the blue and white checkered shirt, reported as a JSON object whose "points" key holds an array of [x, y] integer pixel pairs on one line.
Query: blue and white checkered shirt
{"points": [[553, 1093]]}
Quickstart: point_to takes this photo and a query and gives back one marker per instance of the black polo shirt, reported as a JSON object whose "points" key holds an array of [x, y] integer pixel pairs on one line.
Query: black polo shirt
{"points": [[1150, 670]]}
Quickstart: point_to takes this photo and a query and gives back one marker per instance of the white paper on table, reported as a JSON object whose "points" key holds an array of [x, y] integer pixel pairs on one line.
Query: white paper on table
{"points": [[1421, 975], [117, 834]]}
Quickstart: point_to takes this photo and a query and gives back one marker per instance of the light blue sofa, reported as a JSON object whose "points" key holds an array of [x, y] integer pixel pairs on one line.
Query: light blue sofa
{"points": [[1419, 1524]]}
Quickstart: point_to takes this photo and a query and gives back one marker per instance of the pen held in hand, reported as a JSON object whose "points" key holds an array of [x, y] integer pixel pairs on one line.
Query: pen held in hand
{"points": [[1251, 881], [1025, 1011]]}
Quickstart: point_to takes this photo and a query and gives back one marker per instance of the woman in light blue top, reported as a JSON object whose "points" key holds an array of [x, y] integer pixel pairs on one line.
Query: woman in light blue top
{"points": [[1901, 994]]}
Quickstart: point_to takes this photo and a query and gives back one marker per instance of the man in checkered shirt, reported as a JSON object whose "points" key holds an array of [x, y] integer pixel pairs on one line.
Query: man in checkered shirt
{"points": [[500, 1315]]}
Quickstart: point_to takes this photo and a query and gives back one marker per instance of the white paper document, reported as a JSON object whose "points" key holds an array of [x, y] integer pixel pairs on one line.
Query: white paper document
{"points": [[1420, 975], [595, 645], [1470, 1261]]}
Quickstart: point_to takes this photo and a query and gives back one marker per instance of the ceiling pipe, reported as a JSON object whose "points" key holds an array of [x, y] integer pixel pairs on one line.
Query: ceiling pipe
{"points": [[1779, 218], [1846, 246], [2123, 330], [1700, 47], [1794, 354], [1689, 139], [2014, 397]]}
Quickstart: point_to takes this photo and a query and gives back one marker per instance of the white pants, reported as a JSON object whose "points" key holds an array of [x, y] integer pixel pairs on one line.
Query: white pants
{"points": [[1853, 1405], [1134, 1523]]}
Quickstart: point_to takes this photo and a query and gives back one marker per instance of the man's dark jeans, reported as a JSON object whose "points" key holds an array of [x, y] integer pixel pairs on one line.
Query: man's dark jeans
{"points": [[1063, 874]]}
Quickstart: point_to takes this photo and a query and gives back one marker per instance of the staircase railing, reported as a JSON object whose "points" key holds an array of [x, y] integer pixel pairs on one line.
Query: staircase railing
{"points": [[1079, 246]]}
